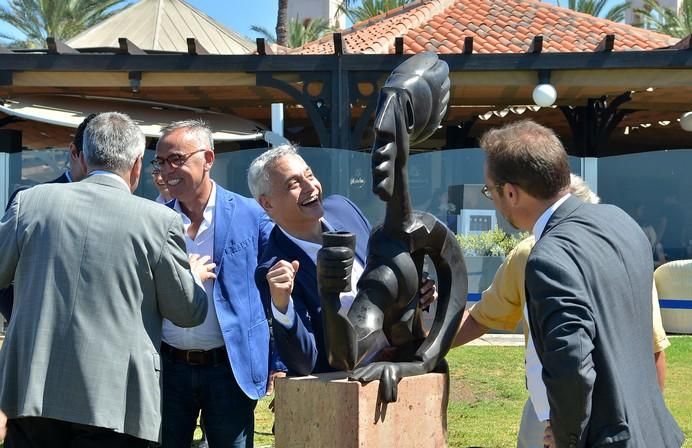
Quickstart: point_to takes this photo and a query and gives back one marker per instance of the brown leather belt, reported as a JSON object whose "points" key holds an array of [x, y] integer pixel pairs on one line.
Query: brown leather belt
{"points": [[214, 356]]}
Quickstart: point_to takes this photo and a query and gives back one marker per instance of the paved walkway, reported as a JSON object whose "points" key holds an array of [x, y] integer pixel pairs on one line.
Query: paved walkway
{"points": [[500, 339]]}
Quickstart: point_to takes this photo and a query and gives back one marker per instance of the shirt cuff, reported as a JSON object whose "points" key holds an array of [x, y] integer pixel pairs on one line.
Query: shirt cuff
{"points": [[285, 319]]}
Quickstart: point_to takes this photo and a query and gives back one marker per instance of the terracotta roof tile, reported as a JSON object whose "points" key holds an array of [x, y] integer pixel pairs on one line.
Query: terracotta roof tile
{"points": [[497, 26]]}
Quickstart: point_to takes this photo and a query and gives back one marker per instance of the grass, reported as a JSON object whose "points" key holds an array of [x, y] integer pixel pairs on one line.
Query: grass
{"points": [[488, 394]]}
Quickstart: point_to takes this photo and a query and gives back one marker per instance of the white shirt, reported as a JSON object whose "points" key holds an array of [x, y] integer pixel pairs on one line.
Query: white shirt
{"points": [[287, 319], [207, 335], [534, 369]]}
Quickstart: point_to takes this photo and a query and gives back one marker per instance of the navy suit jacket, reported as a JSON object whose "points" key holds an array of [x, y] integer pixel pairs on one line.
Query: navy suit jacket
{"points": [[588, 285], [241, 230], [302, 347], [7, 294]]}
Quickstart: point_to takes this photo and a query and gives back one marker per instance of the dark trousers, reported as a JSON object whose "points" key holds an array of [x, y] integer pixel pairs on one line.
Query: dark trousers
{"points": [[228, 414], [39, 432]]}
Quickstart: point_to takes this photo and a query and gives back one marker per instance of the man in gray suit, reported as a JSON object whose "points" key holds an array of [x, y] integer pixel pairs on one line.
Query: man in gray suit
{"points": [[95, 269], [588, 283]]}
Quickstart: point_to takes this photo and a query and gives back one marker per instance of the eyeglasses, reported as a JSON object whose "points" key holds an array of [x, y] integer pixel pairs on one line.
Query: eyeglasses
{"points": [[174, 160], [487, 191]]}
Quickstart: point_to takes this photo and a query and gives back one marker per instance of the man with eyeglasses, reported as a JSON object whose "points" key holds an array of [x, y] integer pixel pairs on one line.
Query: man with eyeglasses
{"points": [[502, 307], [96, 269], [588, 287], [221, 367]]}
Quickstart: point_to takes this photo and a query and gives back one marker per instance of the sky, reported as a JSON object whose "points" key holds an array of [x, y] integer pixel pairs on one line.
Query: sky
{"points": [[238, 15]]}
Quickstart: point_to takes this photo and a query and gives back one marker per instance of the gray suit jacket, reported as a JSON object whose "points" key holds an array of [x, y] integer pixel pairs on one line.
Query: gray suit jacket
{"points": [[95, 269], [588, 284]]}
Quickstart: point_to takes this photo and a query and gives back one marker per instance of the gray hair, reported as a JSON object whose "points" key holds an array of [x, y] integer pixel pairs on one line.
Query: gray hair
{"points": [[258, 174], [581, 190], [112, 141], [197, 127]]}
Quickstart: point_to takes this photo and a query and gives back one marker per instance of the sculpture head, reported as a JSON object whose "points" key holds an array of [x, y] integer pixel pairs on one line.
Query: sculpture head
{"points": [[411, 106]]}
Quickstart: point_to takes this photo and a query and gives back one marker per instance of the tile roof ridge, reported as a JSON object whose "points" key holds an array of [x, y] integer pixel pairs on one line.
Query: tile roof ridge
{"points": [[395, 12], [623, 26]]}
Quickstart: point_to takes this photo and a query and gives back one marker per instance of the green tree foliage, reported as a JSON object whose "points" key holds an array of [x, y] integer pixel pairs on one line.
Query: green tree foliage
{"points": [[596, 8], [492, 243], [365, 9], [299, 32], [665, 20], [62, 19]]}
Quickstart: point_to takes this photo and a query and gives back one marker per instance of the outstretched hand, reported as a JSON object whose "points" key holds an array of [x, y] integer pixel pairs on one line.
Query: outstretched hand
{"points": [[428, 291], [200, 267]]}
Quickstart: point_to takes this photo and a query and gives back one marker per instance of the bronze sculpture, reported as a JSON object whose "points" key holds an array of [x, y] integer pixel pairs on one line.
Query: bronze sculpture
{"points": [[411, 106]]}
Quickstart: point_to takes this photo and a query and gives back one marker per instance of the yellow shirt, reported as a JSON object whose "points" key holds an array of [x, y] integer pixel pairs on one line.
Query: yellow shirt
{"points": [[501, 305]]}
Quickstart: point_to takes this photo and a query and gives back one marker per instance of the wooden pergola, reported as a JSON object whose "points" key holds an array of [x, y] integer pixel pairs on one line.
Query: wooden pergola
{"points": [[609, 102]]}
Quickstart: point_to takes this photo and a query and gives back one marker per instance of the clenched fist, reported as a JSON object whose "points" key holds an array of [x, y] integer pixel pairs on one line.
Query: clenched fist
{"points": [[280, 278]]}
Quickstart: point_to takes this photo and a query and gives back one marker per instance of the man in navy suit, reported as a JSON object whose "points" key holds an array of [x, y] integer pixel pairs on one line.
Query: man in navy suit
{"points": [[76, 173], [220, 367], [287, 189]]}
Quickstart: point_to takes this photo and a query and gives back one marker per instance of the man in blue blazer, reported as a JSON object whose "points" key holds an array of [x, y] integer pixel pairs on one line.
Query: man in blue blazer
{"points": [[289, 192], [220, 367]]}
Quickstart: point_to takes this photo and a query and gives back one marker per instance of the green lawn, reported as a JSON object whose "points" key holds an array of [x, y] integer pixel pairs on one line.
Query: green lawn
{"points": [[488, 394]]}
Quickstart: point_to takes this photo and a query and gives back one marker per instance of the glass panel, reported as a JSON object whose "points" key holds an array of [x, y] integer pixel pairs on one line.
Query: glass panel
{"points": [[654, 188]]}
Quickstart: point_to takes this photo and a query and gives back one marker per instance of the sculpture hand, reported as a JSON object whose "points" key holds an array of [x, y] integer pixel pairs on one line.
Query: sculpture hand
{"points": [[389, 374], [334, 269], [280, 279]]}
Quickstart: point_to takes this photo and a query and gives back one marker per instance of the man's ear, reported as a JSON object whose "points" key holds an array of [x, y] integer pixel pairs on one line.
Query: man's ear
{"points": [[512, 192], [82, 161], [74, 153], [209, 158], [265, 203]]}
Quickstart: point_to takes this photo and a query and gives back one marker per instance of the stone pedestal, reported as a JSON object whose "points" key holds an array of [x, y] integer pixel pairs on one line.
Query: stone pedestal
{"points": [[328, 410]]}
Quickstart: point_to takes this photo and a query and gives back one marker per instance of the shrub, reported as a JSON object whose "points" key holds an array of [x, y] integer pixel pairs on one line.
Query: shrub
{"points": [[495, 242]]}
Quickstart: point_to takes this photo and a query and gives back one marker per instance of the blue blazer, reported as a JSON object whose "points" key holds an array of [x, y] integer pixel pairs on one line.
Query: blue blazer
{"points": [[241, 230], [302, 347]]}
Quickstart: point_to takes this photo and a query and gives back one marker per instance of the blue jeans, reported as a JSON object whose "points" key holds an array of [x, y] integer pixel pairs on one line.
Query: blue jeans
{"points": [[228, 414]]}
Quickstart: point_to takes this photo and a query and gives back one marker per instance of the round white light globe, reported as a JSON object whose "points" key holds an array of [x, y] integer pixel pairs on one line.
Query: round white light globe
{"points": [[686, 121], [544, 95]]}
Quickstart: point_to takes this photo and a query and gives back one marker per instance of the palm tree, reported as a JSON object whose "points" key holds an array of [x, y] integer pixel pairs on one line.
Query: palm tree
{"points": [[299, 32], [368, 8], [38, 19], [616, 13], [666, 20], [282, 23]]}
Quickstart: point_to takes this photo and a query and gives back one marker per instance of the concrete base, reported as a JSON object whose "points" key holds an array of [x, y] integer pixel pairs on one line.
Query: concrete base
{"points": [[328, 410]]}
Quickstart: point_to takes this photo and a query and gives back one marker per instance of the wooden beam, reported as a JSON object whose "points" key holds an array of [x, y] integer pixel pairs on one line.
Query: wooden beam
{"points": [[194, 47], [127, 47], [6, 77], [468, 45], [261, 47], [56, 46], [338, 44], [291, 63], [399, 45], [536, 45], [606, 45]]}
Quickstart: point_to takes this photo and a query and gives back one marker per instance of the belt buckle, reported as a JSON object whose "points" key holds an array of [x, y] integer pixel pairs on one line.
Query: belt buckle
{"points": [[198, 354]]}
